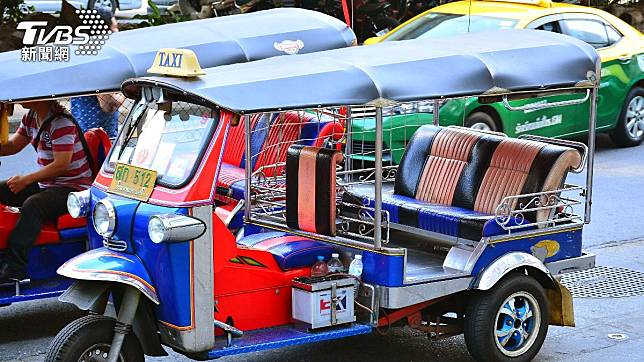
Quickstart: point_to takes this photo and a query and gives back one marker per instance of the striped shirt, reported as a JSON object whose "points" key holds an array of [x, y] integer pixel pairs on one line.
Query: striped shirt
{"points": [[59, 136]]}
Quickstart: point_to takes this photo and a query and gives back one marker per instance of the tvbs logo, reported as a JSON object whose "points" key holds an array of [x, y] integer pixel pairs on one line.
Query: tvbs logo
{"points": [[340, 305], [36, 34]]}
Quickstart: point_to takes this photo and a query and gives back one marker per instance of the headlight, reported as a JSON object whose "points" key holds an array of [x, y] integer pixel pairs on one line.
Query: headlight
{"points": [[173, 227], [78, 204], [105, 218]]}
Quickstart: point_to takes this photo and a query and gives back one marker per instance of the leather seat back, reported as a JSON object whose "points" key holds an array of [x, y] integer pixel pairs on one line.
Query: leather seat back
{"points": [[474, 170]]}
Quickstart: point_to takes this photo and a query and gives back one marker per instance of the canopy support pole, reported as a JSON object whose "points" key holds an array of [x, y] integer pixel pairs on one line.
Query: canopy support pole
{"points": [[377, 231], [436, 118], [591, 153], [249, 170]]}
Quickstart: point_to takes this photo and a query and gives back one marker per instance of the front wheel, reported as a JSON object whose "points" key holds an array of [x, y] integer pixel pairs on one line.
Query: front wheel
{"points": [[89, 339], [630, 126], [508, 322]]}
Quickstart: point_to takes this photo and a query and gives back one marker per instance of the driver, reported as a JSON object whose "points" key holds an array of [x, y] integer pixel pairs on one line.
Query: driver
{"points": [[42, 195]]}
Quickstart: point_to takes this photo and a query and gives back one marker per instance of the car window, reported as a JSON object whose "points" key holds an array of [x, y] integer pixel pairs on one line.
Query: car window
{"points": [[552, 26], [613, 35], [591, 31], [442, 24]]}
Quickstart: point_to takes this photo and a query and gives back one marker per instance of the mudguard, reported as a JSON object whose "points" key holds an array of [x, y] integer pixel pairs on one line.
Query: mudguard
{"points": [[111, 266], [559, 297]]}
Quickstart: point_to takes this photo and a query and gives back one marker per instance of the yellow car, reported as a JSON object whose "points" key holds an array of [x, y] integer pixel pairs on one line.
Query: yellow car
{"points": [[621, 47]]}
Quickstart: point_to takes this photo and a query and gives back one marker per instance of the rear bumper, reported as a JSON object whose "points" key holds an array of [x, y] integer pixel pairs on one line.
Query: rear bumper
{"points": [[585, 261]]}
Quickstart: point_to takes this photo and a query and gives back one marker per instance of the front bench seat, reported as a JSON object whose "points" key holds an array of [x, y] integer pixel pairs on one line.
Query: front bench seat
{"points": [[451, 180]]}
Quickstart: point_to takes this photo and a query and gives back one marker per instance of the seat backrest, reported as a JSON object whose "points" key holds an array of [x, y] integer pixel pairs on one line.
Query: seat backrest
{"points": [[474, 170], [284, 131], [311, 188], [98, 144], [236, 142]]}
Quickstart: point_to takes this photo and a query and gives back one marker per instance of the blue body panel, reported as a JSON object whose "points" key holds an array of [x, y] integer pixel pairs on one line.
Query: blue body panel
{"points": [[271, 338], [380, 269], [44, 260], [41, 289], [169, 265], [569, 247]]}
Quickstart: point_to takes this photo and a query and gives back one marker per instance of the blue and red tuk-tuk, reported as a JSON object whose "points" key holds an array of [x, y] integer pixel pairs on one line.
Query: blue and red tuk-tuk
{"points": [[220, 41], [222, 191]]}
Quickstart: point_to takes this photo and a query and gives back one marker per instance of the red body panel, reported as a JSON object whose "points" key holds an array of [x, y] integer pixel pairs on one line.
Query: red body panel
{"points": [[49, 234], [249, 286]]}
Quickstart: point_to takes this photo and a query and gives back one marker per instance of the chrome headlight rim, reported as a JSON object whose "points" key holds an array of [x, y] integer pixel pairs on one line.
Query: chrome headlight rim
{"points": [[174, 228], [78, 203], [111, 218]]}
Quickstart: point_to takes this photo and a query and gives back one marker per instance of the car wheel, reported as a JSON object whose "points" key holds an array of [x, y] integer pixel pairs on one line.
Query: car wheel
{"points": [[630, 126], [89, 339], [107, 4], [508, 322], [481, 121]]}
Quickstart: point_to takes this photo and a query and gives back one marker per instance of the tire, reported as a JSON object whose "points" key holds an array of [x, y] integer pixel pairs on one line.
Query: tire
{"points": [[482, 121], [110, 4], [484, 319], [629, 130], [87, 335]]}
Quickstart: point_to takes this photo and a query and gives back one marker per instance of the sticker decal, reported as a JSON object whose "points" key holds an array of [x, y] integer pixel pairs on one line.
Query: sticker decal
{"points": [[545, 249], [540, 122], [289, 47]]}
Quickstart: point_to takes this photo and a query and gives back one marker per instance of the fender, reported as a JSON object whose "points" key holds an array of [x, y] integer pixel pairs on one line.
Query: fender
{"points": [[504, 265], [111, 266], [559, 297]]}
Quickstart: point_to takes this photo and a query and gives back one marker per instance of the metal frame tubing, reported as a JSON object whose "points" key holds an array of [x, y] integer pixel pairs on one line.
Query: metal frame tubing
{"points": [[377, 210], [249, 170], [591, 154]]}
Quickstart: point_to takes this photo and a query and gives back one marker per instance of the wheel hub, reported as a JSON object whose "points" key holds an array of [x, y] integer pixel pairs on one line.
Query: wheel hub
{"points": [[635, 117], [518, 323], [96, 353]]}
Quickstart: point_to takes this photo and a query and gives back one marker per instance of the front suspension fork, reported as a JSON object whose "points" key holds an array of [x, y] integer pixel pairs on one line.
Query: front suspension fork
{"points": [[124, 321]]}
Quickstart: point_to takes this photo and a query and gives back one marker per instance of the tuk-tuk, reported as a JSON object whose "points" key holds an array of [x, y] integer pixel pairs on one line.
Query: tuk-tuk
{"points": [[465, 235], [220, 41]]}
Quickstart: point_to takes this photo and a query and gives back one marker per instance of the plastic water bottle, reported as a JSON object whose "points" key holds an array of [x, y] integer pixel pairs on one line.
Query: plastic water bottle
{"points": [[355, 268], [334, 264], [319, 269]]}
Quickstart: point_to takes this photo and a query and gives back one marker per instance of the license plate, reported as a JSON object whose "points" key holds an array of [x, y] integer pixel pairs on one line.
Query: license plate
{"points": [[133, 182]]}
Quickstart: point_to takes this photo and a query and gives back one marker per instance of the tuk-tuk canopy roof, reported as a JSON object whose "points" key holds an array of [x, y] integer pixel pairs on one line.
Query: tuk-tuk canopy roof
{"points": [[217, 41], [498, 62]]}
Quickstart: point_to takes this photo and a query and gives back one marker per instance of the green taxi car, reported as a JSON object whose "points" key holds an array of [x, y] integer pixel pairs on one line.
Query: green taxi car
{"points": [[620, 109]]}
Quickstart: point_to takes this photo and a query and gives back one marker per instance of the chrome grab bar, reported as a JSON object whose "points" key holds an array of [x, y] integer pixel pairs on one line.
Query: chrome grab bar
{"points": [[567, 143], [539, 106]]}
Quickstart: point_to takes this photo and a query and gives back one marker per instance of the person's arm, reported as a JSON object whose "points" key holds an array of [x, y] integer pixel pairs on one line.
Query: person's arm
{"points": [[110, 102], [15, 144], [58, 167]]}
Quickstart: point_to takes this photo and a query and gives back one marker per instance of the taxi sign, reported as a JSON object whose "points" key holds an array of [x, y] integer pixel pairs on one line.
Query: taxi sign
{"points": [[176, 62], [133, 182]]}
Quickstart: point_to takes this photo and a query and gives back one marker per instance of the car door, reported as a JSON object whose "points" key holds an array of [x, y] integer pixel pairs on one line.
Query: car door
{"points": [[549, 122], [616, 63]]}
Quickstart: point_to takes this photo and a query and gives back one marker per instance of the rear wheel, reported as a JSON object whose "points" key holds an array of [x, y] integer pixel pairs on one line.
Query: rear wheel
{"points": [[630, 127], [508, 322], [481, 121], [89, 339]]}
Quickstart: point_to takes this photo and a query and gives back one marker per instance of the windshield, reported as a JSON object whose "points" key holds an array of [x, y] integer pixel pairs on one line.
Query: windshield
{"points": [[441, 24], [168, 137]]}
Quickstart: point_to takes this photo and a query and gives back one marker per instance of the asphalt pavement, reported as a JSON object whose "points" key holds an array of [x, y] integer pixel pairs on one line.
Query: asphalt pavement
{"points": [[608, 329]]}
